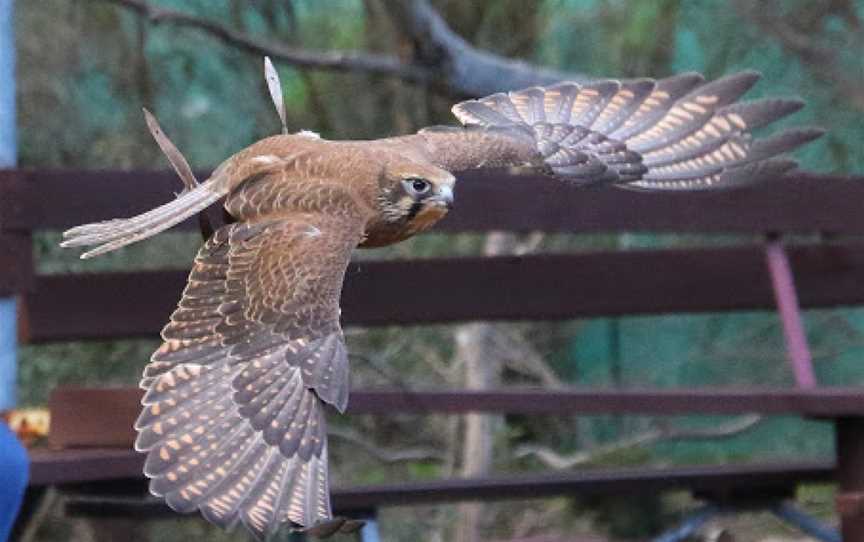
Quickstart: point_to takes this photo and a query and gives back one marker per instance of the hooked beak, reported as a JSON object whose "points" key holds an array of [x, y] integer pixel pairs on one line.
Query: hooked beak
{"points": [[445, 196]]}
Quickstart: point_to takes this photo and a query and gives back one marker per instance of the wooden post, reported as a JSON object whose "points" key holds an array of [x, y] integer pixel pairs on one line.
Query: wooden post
{"points": [[850, 477]]}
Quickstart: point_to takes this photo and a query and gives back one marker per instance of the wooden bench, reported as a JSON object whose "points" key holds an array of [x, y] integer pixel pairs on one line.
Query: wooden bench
{"points": [[536, 287]]}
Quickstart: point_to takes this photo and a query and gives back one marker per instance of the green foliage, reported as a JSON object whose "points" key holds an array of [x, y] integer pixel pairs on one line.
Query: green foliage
{"points": [[631, 517]]}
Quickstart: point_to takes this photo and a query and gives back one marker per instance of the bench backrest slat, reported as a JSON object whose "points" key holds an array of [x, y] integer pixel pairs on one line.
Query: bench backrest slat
{"points": [[486, 200], [105, 416], [542, 287], [537, 287]]}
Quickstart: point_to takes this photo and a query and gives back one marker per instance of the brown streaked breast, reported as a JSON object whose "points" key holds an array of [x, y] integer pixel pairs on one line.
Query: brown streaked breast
{"points": [[380, 234]]}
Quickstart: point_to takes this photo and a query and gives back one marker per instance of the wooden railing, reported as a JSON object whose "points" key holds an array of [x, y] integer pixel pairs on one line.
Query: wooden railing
{"points": [[828, 270]]}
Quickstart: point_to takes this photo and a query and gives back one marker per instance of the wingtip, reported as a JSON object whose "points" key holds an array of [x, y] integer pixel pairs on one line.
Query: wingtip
{"points": [[341, 404], [787, 105], [690, 76], [812, 133], [801, 135], [783, 164], [744, 79], [749, 74], [739, 83], [795, 103]]}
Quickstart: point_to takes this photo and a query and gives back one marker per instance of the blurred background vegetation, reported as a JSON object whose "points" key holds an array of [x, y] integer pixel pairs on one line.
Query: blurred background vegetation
{"points": [[86, 67]]}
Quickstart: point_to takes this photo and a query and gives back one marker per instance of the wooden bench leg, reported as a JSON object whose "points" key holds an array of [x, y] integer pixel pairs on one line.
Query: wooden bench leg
{"points": [[850, 477]]}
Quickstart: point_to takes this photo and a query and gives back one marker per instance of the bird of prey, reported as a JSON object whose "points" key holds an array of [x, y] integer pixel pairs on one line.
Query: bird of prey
{"points": [[233, 420]]}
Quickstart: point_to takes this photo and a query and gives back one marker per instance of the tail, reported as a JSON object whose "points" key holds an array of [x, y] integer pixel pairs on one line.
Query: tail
{"points": [[678, 133], [113, 234]]}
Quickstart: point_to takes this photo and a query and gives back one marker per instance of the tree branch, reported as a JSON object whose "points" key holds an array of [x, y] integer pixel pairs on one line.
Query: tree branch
{"points": [[465, 70], [519, 355], [382, 454], [441, 60], [343, 61], [822, 60], [554, 460]]}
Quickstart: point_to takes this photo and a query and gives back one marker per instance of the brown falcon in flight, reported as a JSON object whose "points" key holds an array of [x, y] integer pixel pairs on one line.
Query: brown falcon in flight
{"points": [[233, 421]]}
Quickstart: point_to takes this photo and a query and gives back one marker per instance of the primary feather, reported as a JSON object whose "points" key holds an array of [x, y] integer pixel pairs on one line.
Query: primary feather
{"points": [[671, 134]]}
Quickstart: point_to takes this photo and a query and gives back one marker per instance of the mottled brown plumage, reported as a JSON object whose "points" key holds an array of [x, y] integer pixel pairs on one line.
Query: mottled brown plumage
{"points": [[233, 421]]}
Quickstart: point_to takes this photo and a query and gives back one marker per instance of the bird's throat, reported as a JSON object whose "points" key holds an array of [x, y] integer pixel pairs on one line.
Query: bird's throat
{"points": [[426, 217]]}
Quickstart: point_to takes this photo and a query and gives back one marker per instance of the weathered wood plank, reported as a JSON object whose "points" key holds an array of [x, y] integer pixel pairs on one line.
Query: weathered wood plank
{"points": [[104, 417], [16, 262], [93, 417], [100, 305], [753, 481], [55, 467], [486, 200], [50, 467], [541, 287], [820, 402]]}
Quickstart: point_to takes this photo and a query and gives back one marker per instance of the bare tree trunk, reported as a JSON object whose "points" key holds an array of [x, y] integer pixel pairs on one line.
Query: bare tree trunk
{"points": [[474, 347], [481, 372]]}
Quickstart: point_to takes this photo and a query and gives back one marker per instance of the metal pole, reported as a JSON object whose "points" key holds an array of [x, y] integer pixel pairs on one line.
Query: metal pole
{"points": [[849, 433], [790, 314], [690, 525], [13, 458], [8, 351], [806, 523], [8, 154], [370, 531]]}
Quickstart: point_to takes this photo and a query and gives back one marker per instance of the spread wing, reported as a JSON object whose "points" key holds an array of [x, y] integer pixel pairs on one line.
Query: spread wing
{"points": [[233, 421], [675, 133]]}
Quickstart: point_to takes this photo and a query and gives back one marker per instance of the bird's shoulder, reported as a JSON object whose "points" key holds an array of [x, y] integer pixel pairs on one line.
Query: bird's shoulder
{"points": [[301, 173]]}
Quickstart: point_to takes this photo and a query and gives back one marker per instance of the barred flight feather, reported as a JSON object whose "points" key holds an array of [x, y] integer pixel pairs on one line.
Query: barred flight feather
{"points": [[232, 420], [678, 133]]}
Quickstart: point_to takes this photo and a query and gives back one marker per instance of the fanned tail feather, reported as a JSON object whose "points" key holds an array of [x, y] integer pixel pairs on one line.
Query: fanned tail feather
{"points": [[672, 134], [113, 234]]}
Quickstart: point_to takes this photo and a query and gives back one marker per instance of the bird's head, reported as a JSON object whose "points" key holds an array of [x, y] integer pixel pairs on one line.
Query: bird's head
{"points": [[415, 194]]}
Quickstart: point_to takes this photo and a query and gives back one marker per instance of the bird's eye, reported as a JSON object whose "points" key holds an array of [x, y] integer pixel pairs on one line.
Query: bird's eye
{"points": [[418, 186]]}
